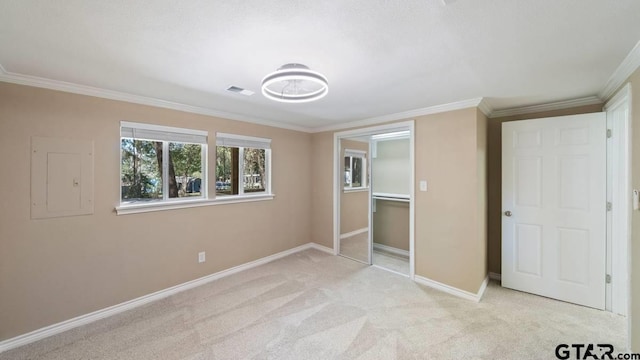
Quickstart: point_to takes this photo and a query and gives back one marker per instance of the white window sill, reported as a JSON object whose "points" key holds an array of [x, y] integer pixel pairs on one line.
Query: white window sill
{"points": [[356, 189], [183, 204]]}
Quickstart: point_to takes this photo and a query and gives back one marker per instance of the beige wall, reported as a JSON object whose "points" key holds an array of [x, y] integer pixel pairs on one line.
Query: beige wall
{"points": [[354, 205], [55, 269], [391, 169], [448, 247], [354, 211], [391, 174], [494, 148], [391, 224], [322, 188]]}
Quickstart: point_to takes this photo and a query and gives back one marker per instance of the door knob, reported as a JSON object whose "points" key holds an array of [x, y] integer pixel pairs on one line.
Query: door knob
{"points": [[507, 213]]}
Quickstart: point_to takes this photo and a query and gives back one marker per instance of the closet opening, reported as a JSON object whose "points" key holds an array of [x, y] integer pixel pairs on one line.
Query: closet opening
{"points": [[374, 196]]}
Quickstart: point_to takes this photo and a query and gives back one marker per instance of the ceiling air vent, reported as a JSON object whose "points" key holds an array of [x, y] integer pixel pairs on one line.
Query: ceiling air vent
{"points": [[240, 90]]}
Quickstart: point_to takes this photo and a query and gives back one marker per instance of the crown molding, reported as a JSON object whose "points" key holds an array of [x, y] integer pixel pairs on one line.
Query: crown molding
{"points": [[464, 104], [630, 64], [559, 105], [621, 95], [35, 81], [28, 80], [485, 107]]}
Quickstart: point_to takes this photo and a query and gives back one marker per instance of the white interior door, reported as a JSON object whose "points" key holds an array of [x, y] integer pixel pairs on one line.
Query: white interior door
{"points": [[554, 207]]}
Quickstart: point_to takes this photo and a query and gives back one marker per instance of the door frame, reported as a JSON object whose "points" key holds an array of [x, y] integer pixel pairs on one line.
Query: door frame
{"points": [[337, 184], [621, 140]]}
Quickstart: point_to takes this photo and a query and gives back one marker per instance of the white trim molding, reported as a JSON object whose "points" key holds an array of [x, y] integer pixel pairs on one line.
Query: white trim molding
{"points": [[354, 233], [391, 250], [391, 197], [622, 73], [63, 326], [624, 94], [40, 82], [389, 270], [143, 207], [319, 247], [453, 290], [558, 105], [459, 105], [495, 276], [619, 260], [485, 107], [356, 189]]}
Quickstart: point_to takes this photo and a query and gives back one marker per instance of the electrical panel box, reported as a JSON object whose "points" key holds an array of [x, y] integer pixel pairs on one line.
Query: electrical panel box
{"points": [[61, 177]]}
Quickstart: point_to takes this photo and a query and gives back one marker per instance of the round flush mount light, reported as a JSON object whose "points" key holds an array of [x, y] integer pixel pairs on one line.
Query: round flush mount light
{"points": [[295, 83]]}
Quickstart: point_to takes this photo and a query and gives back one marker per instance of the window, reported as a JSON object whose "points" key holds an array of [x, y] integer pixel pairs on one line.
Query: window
{"points": [[160, 163], [243, 165], [355, 169]]}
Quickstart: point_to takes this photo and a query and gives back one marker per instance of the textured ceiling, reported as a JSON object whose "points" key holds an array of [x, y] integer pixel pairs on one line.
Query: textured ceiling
{"points": [[380, 56]]}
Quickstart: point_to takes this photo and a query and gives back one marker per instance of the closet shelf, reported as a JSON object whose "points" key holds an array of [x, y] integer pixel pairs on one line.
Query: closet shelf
{"points": [[392, 197]]}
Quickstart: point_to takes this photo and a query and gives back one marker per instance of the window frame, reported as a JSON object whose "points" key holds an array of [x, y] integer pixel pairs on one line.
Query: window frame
{"points": [[166, 135], [361, 154], [241, 142], [205, 199]]}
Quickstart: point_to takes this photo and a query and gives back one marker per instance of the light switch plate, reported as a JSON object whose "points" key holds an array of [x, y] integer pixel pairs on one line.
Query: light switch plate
{"points": [[423, 185]]}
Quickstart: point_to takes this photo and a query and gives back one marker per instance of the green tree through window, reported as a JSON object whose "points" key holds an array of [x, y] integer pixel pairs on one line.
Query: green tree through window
{"points": [[156, 165]]}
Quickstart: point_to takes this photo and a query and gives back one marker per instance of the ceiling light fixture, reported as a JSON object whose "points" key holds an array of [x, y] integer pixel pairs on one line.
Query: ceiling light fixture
{"points": [[295, 83]]}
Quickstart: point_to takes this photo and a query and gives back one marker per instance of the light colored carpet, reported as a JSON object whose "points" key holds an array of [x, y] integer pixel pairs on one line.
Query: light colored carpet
{"points": [[312, 305], [356, 247], [389, 261]]}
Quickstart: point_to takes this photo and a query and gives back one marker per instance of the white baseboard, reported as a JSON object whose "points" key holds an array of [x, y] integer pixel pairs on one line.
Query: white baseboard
{"points": [[391, 250], [389, 270], [60, 327], [453, 290], [353, 233], [322, 248], [483, 288], [495, 276]]}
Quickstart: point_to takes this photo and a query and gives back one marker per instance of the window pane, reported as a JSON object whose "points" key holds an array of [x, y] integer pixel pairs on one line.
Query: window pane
{"points": [[347, 171], [254, 170], [141, 176], [356, 181], [224, 169], [185, 170]]}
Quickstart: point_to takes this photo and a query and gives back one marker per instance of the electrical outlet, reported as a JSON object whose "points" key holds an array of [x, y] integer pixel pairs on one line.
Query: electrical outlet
{"points": [[201, 257]]}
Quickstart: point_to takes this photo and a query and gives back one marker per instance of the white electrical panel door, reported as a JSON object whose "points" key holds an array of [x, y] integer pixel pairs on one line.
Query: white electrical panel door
{"points": [[61, 177]]}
